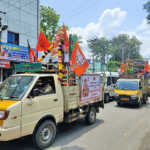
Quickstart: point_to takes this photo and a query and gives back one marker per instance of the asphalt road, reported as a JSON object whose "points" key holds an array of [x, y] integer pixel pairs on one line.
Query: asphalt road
{"points": [[117, 128]]}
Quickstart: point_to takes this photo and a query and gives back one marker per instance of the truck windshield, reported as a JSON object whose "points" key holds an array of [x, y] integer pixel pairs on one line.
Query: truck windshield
{"points": [[127, 85], [14, 88]]}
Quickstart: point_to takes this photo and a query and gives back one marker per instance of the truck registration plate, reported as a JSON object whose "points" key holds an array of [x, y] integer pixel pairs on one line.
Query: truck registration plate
{"points": [[124, 98]]}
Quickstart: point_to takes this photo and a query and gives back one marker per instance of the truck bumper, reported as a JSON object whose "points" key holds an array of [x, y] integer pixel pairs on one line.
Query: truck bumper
{"points": [[9, 133], [129, 101]]}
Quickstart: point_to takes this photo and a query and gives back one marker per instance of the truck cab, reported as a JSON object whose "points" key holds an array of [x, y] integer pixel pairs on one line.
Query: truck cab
{"points": [[26, 101], [130, 91]]}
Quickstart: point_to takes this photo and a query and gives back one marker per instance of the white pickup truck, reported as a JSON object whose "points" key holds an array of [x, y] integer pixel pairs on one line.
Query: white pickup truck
{"points": [[34, 103], [110, 82]]}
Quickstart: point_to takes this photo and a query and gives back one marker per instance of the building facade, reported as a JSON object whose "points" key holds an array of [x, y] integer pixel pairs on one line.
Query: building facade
{"points": [[21, 18]]}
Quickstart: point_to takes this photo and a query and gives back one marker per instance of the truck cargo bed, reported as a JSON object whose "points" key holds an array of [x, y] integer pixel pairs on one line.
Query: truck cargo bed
{"points": [[81, 95]]}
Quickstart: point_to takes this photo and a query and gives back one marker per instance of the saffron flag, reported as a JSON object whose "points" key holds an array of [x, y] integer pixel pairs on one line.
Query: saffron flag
{"points": [[122, 68], [43, 43], [32, 55], [146, 66], [79, 63]]}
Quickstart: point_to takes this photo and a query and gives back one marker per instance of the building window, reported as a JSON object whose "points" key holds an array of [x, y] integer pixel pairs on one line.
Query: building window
{"points": [[13, 38]]}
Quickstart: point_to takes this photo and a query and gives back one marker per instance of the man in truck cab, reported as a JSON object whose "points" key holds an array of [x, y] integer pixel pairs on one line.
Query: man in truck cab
{"points": [[43, 86]]}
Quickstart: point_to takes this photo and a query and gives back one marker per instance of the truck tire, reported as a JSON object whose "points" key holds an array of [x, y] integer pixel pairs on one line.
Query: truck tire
{"points": [[91, 116], [118, 104], [45, 134], [145, 99]]}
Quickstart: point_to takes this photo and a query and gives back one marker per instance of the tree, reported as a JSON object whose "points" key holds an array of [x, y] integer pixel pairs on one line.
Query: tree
{"points": [[100, 48], [117, 50], [113, 66], [147, 8], [123, 47], [48, 21]]}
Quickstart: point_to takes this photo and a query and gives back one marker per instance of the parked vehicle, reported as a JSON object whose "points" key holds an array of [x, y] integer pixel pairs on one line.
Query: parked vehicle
{"points": [[35, 103], [110, 82]]}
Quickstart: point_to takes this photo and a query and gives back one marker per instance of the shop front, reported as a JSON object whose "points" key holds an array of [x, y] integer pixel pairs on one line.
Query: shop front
{"points": [[10, 55], [5, 70]]}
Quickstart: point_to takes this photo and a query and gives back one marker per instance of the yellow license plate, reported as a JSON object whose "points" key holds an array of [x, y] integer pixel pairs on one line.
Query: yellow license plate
{"points": [[124, 98]]}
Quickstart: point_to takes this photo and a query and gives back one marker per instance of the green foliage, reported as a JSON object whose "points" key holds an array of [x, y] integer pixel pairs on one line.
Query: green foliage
{"points": [[123, 47], [48, 21], [100, 48], [114, 51], [147, 8], [113, 66]]}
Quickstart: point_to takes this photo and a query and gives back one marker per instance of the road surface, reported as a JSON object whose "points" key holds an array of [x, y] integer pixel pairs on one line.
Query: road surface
{"points": [[117, 128]]}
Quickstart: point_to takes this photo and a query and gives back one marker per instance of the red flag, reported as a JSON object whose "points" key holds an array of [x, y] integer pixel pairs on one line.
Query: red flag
{"points": [[122, 68], [146, 66], [66, 39], [32, 55], [43, 43], [79, 64]]}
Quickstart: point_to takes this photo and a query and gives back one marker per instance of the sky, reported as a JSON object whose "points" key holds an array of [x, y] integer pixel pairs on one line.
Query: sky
{"points": [[104, 18]]}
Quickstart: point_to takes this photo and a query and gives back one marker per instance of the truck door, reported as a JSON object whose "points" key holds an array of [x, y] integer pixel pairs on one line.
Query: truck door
{"points": [[42, 101]]}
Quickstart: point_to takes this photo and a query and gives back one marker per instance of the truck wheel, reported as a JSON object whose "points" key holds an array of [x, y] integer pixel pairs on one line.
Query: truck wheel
{"points": [[145, 99], [118, 104], [91, 116], [106, 98], [45, 134]]}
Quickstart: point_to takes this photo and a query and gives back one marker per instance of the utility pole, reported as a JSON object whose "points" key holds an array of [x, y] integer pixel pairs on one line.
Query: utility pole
{"points": [[93, 68], [38, 21], [123, 55], [2, 28]]}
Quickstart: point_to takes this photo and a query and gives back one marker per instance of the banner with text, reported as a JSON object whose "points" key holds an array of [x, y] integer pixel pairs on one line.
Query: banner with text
{"points": [[90, 87], [14, 52]]}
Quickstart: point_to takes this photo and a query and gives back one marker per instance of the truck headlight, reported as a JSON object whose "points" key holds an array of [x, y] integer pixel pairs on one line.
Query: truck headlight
{"points": [[4, 114], [133, 96]]}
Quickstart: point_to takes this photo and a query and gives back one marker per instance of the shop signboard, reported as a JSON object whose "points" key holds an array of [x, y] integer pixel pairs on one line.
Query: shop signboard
{"points": [[4, 64], [14, 52], [34, 67]]}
